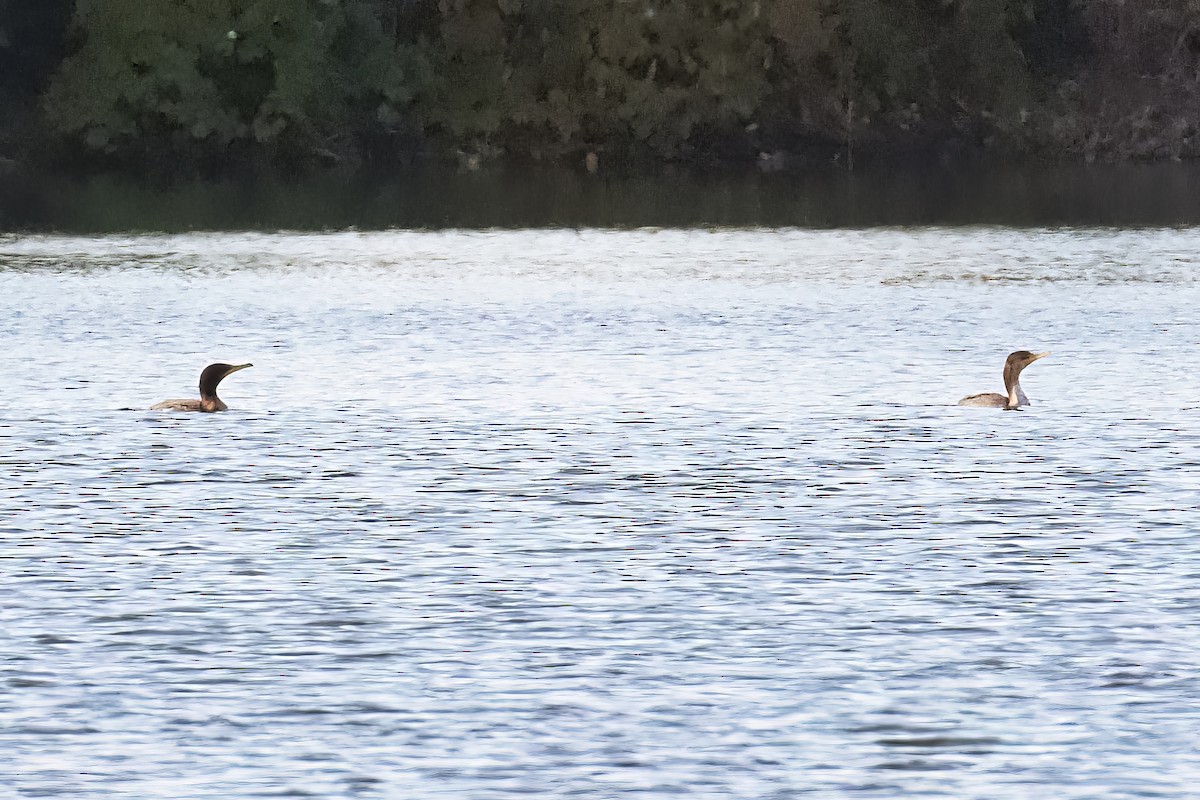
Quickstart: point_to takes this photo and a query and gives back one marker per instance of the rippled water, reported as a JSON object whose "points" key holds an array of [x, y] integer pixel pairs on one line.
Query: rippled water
{"points": [[601, 514]]}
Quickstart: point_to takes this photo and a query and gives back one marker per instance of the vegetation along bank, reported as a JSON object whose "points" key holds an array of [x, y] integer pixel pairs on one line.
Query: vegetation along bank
{"points": [[181, 88]]}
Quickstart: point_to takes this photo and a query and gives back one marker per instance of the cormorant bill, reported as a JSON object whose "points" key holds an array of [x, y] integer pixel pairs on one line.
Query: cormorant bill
{"points": [[1012, 384], [209, 378]]}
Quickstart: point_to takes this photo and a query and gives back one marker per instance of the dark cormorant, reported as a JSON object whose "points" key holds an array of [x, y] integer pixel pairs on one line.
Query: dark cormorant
{"points": [[209, 378]]}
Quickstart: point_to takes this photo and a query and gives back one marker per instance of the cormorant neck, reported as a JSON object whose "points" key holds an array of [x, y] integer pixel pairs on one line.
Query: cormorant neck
{"points": [[1014, 397], [208, 388], [1012, 386]]}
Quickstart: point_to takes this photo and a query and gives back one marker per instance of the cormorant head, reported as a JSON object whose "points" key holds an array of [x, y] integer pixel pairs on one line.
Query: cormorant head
{"points": [[1012, 375], [1021, 359], [214, 374]]}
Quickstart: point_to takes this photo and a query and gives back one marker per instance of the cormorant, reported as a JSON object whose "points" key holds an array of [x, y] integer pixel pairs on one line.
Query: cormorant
{"points": [[1012, 384], [209, 378]]}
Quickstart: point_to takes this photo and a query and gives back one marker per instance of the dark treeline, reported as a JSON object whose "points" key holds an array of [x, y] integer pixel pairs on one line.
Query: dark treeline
{"points": [[204, 87]]}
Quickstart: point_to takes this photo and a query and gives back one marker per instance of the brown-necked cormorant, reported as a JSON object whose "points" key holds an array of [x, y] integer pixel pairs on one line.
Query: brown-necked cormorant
{"points": [[1012, 384]]}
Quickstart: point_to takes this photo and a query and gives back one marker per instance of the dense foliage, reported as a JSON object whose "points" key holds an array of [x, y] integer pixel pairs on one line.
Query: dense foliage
{"points": [[211, 85]]}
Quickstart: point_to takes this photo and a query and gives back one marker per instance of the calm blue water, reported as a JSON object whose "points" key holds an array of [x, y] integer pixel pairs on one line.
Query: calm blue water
{"points": [[637, 514]]}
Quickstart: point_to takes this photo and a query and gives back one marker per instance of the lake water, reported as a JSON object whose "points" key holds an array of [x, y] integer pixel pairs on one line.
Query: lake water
{"points": [[1165, 194], [599, 514]]}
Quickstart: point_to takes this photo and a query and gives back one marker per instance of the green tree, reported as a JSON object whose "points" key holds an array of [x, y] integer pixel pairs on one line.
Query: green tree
{"points": [[211, 78], [1136, 94], [679, 74], [553, 77], [884, 70]]}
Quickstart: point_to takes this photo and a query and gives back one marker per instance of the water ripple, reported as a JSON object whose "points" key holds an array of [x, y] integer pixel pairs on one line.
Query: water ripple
{"points": [[595, 514]]}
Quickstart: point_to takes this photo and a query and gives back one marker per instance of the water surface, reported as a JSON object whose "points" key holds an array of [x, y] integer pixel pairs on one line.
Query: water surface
{"points": [[813, 196], [601, 513]]}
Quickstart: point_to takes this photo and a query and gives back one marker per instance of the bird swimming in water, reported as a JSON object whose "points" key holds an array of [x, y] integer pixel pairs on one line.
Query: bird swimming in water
{"points": [[209, 378], [1012, 384]]}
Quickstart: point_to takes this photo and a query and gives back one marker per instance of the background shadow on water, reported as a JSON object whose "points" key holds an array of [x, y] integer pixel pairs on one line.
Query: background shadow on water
{"points": [[1037, 195]]}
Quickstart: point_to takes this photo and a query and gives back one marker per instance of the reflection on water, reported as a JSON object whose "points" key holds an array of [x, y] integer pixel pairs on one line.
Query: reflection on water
{"points": [[1034, 195], [597, 514]]}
